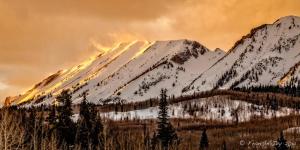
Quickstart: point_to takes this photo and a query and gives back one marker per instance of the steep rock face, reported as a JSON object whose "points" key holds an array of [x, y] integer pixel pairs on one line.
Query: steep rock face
{"points": [[263, 57], [195, 50], [129, 71]]}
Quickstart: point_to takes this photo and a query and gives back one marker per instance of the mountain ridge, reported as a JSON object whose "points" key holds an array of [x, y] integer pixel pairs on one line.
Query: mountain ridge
{"points": [[137, 70], [110, 64], [261, 44]]}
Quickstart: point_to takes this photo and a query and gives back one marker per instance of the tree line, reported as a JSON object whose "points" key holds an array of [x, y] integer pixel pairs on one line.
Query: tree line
{"points": [[56, 128]]}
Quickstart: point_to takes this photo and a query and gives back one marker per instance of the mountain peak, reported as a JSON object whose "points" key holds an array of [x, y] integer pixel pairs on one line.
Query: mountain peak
{"points": [[287, 23], [137, 70], [287, 19], [126, 66], [267, 55], [219, 50], [281, 25]]}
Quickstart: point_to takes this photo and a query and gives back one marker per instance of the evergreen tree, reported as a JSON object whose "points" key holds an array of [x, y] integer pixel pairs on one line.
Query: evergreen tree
{"points": [[281, 143], [166, 133], [90, 129], [83, 133], [65, 126], [203, 141], [274, 104], [97, 136]]}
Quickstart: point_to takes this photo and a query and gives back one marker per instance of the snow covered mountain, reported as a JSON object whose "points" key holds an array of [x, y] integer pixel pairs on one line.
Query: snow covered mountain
{"points": [[268, 55], [136, 71], [129, 71]]}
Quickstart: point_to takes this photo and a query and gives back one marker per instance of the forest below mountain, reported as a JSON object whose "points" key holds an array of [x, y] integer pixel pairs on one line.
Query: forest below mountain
{"points": [[54, 127]]}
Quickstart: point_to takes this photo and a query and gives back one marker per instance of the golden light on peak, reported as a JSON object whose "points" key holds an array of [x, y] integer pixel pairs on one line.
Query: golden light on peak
{"points": [[146, 45], [27, 97]]}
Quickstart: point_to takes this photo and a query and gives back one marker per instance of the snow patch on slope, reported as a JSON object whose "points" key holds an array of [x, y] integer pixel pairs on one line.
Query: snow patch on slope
{"points": [[222, 110]]}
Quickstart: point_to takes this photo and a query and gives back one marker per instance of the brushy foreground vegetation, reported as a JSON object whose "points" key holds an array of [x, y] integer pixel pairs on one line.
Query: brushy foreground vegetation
{"points": [[50, 128]]}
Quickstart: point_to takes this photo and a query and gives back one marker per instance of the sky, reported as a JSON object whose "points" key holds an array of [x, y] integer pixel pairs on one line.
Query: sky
{"points": [[40, 37]]}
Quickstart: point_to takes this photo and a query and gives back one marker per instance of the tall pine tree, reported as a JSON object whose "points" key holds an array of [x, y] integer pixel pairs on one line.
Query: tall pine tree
{"points": [[82, 136], [166, 133], [97, 136], [65, 126], [203, 141], [90, 129], [281, 143]]}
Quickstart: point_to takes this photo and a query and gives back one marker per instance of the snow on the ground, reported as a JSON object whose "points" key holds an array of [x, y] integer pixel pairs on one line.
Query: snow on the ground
{"points": [[75, 117], [215, 108], [292, 130]]}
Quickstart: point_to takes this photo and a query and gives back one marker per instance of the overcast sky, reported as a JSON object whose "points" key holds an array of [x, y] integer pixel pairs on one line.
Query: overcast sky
{"points": [[39, 37]]}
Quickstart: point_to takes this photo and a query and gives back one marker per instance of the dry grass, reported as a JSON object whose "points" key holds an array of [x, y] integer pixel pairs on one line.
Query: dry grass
{"points": [[253, 133]]}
